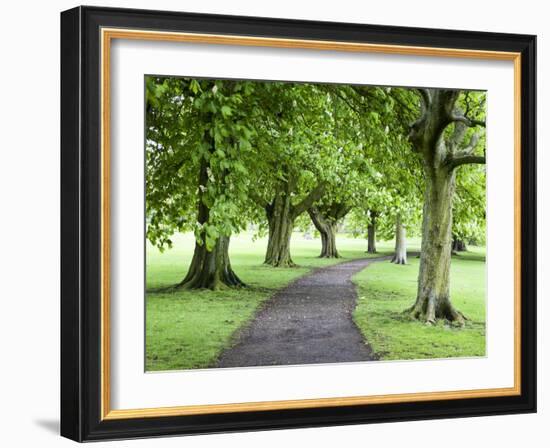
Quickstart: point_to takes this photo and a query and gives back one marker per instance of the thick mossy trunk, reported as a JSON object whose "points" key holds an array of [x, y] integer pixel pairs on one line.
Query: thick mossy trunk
{"points": [[281, 222], [327, 228], [433, 296], [371, 234], [281, 215], [400, 255], [211, 269], [328, 242], [441, 154]]}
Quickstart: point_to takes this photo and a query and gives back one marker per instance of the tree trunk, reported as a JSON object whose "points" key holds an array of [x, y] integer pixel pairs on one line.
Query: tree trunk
{"points": [[433, 296], [400, 255], [281, 215], [441, 154], [209, 269], [459, 245], [327, 229], [328, 242], [371, 234], [281, 222]]}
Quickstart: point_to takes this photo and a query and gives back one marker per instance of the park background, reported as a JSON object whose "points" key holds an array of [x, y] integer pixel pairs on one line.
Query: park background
{"points": [[29, 333]]}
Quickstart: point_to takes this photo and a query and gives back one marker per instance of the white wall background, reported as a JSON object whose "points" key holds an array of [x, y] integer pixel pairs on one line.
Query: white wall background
{"points": [[29, 224]]}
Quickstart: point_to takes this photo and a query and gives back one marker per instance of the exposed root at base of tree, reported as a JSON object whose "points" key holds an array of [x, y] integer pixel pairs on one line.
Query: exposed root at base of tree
{"points": [[215, 283], [429, 313], [336, 255], [281, 264], [398, 260]]}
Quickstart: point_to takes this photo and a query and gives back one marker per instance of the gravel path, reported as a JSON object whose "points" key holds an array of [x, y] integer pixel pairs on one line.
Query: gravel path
{"points": [[308, 322]]}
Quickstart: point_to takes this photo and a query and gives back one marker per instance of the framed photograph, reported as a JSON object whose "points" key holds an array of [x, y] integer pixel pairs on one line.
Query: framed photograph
{"points": [[276, 224]]}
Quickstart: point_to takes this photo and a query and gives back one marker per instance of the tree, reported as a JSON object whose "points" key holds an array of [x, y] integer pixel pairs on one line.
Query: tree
{"points": [[196, 136], [443, 137], [296, 159], [404, 204], [350, 168], [399, 210], [371, 232], [210, 266], [394, 188], [325, 220], [281, 215], [469, 208], [400, 254]]}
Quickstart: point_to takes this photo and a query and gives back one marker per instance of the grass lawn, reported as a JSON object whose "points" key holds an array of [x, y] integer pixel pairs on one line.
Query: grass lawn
{"points": [[189, 329], [385, 290]]}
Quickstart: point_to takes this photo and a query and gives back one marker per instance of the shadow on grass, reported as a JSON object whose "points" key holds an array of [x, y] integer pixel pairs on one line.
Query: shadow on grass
{"points": [[310, 263], [171, 291], [469, 256], [403, 317]]}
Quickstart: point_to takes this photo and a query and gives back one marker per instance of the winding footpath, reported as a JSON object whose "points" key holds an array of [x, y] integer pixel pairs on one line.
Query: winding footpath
{"points": [[307, 322]]}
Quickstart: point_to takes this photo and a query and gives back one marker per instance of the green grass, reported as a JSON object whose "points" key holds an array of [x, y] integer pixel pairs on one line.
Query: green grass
{"points": [[386, 290], [189, 329]]}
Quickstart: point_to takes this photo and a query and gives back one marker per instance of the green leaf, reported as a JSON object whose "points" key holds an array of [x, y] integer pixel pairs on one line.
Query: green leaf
{"points": [[194, 86], [226, 111]]}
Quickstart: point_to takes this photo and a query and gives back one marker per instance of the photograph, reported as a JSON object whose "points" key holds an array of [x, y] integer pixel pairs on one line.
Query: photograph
{"points": [[291, 223]]}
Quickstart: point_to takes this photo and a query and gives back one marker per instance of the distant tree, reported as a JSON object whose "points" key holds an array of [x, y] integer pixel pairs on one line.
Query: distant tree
{"points": [[325, 220], [469, 207], [351, 170], [294, 154], [371, 231]]}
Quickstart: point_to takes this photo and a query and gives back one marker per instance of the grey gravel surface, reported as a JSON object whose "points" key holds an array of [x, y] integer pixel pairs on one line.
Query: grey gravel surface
{"points": [[307, 322]]}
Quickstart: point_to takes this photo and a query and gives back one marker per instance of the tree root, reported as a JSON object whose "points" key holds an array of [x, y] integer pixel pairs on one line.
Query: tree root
{"points": [[336, 255], [228, 280], [398, 260], [281, 264], [430, 314]]}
